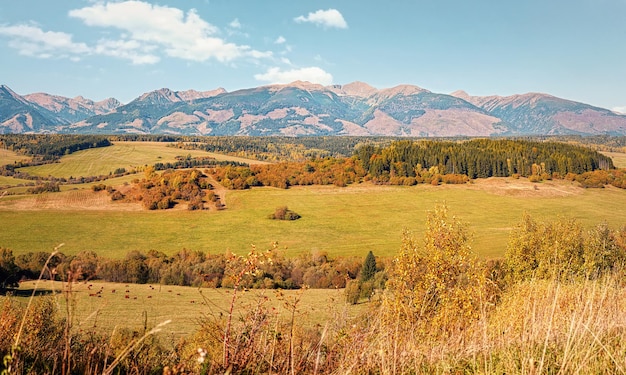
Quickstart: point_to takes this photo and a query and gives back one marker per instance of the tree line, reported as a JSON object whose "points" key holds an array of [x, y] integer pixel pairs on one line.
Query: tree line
{"points": [[409, 162], [50, 147], [480, 158], [561, 249], [186, 268]]}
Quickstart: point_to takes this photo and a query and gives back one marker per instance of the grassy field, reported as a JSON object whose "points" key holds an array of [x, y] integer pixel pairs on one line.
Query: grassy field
{"points": [[10, 181], [619, 158], [9, 157], [153, 304], [341, 221], [101, 161]]}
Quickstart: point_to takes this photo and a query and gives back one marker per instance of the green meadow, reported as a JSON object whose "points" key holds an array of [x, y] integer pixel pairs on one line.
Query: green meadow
{"points": [[339, 221], [129, 155]]}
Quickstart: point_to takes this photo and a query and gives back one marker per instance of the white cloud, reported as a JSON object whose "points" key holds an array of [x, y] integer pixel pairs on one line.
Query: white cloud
{"points": [[33, 41], [312, 74], [324, 18], [621, 110], [235, 24], [280, 40], [285, 60], [180, 35], [127, 49]]}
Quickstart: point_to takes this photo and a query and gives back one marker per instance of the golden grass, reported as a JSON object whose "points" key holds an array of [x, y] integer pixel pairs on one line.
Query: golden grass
{"points": [[10, 157], [619, 158], [539, 327], [104, 306]]}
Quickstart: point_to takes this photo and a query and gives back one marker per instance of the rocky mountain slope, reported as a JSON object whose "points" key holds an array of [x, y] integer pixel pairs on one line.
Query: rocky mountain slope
{"points": [[302, 108], [45, 113], [545, 114]]}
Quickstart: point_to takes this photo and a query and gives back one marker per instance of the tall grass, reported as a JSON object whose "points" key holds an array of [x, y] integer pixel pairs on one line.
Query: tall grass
{"points": [[538, 327]]}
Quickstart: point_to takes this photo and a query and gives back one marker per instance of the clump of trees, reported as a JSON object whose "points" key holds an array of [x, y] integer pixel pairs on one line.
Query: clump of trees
{"points": [[45, 187], [601, 178], [480, 158], [163, 191], [284, 213], [9, 271], [563, 250], [372, 277]]}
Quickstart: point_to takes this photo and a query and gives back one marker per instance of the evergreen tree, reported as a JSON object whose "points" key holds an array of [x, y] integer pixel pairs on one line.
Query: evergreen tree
{"points": [[369, 267]]}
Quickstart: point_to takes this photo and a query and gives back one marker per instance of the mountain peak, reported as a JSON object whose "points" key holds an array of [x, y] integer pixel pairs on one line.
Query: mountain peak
{"points": [[302, 85], [6, 91], [360, 89], [189, 95], [460, 94], [162, 96], [402, 90], [355, 108]]}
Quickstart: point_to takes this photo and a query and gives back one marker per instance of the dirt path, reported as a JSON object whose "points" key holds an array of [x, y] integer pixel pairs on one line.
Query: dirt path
{"points": [[219, 191]]}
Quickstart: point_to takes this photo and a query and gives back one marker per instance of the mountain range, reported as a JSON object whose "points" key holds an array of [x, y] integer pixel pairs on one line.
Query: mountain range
{"points": [[303, 108]]}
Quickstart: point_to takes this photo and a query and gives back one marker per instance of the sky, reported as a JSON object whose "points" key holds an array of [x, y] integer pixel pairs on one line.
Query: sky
{"points": [[573, 49]]}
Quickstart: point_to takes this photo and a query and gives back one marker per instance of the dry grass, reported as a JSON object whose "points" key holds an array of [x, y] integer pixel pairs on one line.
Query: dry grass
{"points": [[104, 306], [539, 327], [9, 157], [619, 158]]}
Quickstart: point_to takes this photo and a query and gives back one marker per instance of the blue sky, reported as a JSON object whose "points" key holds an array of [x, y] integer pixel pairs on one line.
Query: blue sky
{"points": [[572, 49]]}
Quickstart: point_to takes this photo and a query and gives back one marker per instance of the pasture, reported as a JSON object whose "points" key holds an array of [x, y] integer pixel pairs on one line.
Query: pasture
{"points": [[619, 158], [99, 305], [10, 157], [128, 155], [340, 221]]}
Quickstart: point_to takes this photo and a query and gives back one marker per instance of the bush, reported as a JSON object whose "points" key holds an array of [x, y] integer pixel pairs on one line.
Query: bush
{"points": [[561, 250], [353, 292], [46, 187], [98, 187], [284, 213]]}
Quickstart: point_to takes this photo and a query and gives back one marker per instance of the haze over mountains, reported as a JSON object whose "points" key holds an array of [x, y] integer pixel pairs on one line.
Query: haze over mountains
{"points": [[302, 108]]}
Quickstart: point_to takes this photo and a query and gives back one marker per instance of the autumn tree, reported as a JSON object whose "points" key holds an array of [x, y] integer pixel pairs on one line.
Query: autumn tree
{"points": [[561, 250], [437, 287], [8, 270]]}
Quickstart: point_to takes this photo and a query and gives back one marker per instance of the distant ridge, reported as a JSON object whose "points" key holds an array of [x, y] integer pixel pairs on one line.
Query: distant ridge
{"points": [[303, 108]]}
